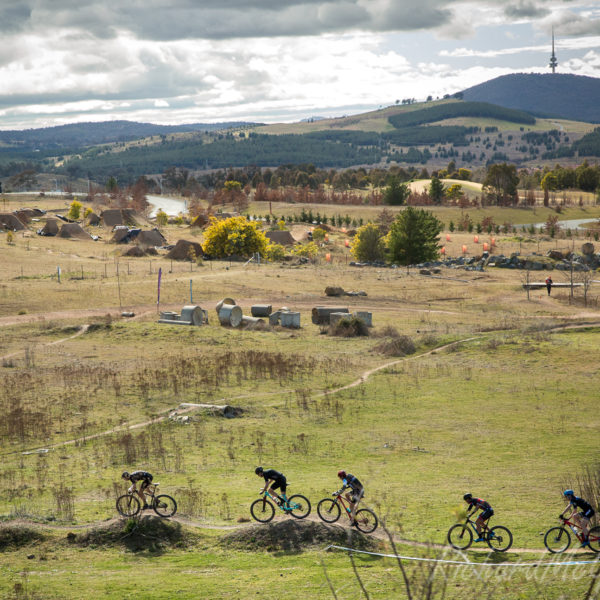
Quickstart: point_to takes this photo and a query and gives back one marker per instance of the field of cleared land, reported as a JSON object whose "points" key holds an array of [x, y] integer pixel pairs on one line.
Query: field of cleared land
{"points": [[496, 395]]}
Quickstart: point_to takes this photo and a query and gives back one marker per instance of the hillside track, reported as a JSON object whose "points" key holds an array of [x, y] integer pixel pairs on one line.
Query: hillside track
{"points": [[196, 523]]}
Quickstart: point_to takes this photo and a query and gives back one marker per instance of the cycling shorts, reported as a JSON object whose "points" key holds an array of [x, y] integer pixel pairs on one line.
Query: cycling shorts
{"points": [[279, 484], [486, 514], [357, 495], [588, 514]]}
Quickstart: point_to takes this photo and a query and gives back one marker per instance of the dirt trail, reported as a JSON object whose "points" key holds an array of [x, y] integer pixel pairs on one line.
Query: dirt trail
{"points": [[379, 533]]}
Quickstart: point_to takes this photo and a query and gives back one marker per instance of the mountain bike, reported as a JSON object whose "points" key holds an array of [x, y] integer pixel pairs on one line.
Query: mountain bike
{"points": [[263, 510], [498, 538], [329, 510], [558, 539], [129, 504]]}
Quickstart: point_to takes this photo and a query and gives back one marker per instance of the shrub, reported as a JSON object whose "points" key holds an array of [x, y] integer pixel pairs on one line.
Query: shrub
{"points": [[368, 244], [75, 210], [275, 252], [235, 236], [349, 327], [397, 346]]}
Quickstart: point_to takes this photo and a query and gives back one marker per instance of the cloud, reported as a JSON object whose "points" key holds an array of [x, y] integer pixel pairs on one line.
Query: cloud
{"points": [[525, 9]]}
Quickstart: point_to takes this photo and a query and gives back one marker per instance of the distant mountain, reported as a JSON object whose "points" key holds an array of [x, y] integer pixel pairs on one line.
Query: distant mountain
{"points": [[89, 134], [556, 95]]}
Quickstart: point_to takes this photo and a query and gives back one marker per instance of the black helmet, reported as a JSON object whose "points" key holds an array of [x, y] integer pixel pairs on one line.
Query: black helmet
{"points": [[258, 470], [467, 496], [125, 475]]}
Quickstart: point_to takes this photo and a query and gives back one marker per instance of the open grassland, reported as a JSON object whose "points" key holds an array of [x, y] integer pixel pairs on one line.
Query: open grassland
{"points": [[499, 397]]}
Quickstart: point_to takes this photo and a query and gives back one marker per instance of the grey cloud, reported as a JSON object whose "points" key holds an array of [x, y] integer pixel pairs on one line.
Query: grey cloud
{"points": [[221, 19], [525, 9], [13, 15]]}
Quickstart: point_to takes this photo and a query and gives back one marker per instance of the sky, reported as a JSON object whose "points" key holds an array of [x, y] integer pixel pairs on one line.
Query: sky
{"points": [[190, 61]]}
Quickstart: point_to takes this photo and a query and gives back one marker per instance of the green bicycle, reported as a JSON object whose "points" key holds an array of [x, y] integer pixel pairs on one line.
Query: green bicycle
{"points": [[263, 509]]}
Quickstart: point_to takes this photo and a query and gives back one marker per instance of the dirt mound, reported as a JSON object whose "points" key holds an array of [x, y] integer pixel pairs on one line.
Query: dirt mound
{"points": [[73, 230], [120, 216], [183, 250], [134, 251], [16, 536], [50, 228], [284, 238], [151, 238], [295, 536], [150, 533], [10, 222]]}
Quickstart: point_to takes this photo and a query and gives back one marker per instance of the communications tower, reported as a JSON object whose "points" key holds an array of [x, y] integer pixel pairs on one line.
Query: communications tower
{"points": [[553, 61]]}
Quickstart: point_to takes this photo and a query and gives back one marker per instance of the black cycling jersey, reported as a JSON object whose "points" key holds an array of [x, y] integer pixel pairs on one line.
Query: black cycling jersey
{"points": [[353, 482], [140, 476], [273, 474], [581, 503], [479, 503]]}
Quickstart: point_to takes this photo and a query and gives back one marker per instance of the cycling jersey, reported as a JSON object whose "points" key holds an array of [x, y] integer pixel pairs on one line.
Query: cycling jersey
{"points": [[353, 482], [586, 507], [479, 504], [279, 479], [140, 476]]}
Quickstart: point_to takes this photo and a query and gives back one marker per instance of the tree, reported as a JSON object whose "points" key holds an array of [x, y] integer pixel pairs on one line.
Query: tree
{"points": [[235, 236], [436, 189], [396, 193], [501, 182], [414, 237], [368, 244], [75, 210], [161, 218], [454, 192]]}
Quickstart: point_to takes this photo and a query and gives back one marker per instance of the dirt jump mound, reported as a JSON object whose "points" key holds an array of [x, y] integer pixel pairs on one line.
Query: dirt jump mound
{"points": [[295, 536], [15, 536], [150, 534]]}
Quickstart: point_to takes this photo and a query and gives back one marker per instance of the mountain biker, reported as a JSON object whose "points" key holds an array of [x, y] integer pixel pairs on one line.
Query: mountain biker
{"points": [[355, 495], [144, 477], [583, 518], [278, 482], [487, 511]]}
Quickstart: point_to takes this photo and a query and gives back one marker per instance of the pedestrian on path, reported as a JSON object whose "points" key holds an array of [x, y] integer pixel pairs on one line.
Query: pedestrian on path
{"points": [[549, 284]]}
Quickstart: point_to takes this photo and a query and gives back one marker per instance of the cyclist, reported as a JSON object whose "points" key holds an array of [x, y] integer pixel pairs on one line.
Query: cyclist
{"points": [[583, 518], [355, 495], [276, 480], [487, 511], [146, 480]]}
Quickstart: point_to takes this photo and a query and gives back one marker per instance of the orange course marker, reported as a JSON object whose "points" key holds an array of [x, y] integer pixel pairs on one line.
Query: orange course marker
{"points": [[464, 249], [476, 239], [328, 257], [447, 237]]}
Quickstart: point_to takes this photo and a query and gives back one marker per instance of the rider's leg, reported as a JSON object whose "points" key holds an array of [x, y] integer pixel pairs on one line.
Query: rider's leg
{"points": [[357, 498], [348, 497], [585, 527]]}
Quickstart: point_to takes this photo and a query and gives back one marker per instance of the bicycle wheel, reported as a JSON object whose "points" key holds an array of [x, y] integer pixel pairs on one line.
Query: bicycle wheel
{"points": [[460, 536], [299, 506], [128, 505], [594, 538], [328, 510], [164, 506], [366, 521], [262, 510], [557, 540], [499, 538]]}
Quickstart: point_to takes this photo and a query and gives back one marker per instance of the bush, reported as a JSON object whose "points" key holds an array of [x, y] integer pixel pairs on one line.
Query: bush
{"points": [[349, 327], [75, 210], [275, 253], [397, 346], [235, 236]]}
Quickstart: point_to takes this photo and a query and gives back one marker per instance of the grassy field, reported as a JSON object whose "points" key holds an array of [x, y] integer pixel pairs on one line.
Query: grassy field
{"points": [[499, 398]]}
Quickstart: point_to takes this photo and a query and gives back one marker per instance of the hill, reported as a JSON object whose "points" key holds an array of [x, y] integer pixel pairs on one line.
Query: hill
{"points": [[88, 134], [572, 97]]}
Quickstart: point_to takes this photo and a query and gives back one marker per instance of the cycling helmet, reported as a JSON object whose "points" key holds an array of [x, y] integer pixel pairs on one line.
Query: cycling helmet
{"points": [[125, 475], [341, 474], [258, 470], [568, 493], [467, 496]]}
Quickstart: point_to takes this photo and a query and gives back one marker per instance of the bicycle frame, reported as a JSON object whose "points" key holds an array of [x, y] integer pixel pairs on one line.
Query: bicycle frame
{"points": [[574, 527], [266, 494], [474, 526], [339, 498]]}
